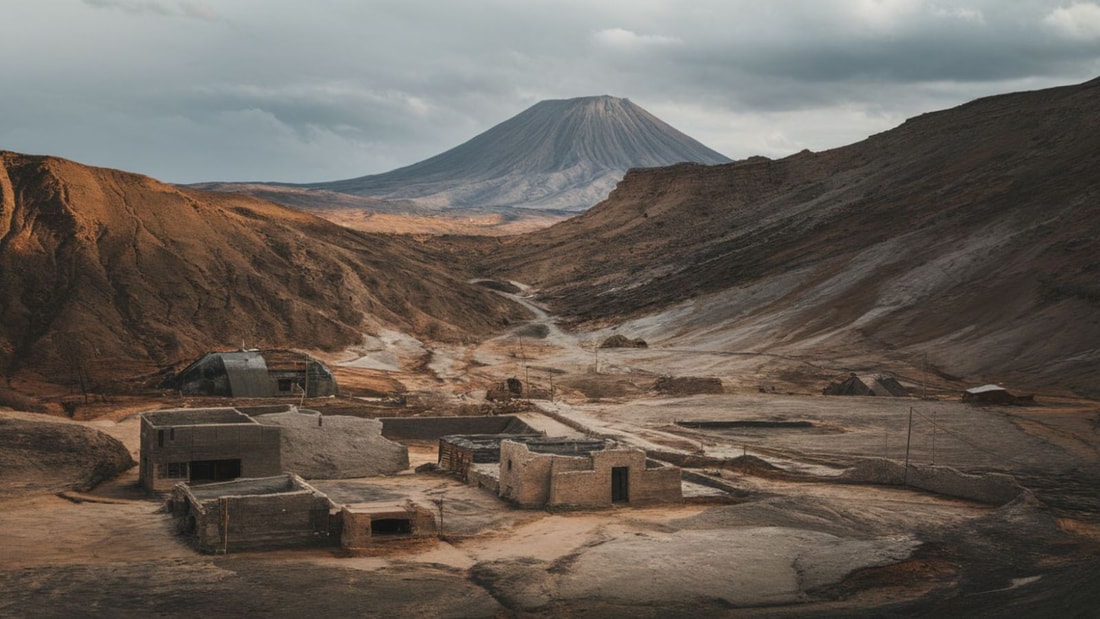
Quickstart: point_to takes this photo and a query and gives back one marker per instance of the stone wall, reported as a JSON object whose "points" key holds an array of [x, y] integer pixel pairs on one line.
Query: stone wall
{"points": [[532, 479], [991, 488]]}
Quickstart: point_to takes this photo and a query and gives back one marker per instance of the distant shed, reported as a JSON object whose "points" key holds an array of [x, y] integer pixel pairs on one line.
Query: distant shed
{"points": [[879, 385], [994, 394]]}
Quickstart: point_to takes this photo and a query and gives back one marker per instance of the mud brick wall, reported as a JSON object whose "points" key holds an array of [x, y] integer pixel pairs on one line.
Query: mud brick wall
{"points": [[236, 523], [524, 476], [592, 488], [548, 480], [434, 428]]}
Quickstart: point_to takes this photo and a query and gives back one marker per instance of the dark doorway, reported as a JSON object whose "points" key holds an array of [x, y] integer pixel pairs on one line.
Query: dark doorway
{"points": [[620, 484], [391, 526], [215, 470]]}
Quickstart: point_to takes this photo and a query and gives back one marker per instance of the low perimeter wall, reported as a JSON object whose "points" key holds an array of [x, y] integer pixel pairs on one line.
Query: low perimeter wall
{"points": [[991, 488], [434, 428]]}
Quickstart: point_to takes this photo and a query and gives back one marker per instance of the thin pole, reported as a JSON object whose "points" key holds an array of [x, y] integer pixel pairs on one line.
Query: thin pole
{"points": [[924, 378], [908, 437], [933, 437]]}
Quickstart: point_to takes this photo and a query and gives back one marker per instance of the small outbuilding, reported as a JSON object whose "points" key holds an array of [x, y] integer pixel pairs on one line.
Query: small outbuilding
{"points": [[580, 474], [877, 385], [366, 524], [256, 374], [994, 394]]}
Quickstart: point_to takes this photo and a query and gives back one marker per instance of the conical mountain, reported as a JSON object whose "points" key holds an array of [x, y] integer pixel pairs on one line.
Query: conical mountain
{"points": [[969, 237], [561, 154]]}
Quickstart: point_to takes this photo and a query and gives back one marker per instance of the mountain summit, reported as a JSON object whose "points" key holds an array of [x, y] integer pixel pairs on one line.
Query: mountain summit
{"points": [[563, 154]]}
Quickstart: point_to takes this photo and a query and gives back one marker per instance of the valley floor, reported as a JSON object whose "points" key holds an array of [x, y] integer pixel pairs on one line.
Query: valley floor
{"points": [[794, 540]]}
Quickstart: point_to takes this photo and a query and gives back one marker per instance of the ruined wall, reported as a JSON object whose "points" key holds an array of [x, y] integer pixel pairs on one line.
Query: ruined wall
{"points": [[524, 476], [991, 488], [434, 428], [592, 488]]}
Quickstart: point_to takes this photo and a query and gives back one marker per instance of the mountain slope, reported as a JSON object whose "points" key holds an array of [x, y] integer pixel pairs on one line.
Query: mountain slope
{"points": [[103, 264], [971, 235], [561, 154]]}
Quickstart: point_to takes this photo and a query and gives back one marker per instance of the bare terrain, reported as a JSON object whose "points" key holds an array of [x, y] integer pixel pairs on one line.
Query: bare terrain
{"points": [[795, 539]]}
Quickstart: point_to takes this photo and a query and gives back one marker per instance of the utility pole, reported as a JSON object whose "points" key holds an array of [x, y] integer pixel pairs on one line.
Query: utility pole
{"points": [[526, 372], [908, 438], [924, 378], [933, 437]]}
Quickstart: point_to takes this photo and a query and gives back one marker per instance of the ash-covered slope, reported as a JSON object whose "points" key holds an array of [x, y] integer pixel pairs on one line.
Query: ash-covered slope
{"points": [[562, 154], [98, 265], [971, 235]]}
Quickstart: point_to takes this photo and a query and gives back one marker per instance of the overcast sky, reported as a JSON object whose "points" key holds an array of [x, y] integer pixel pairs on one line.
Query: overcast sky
{"points": [[193, 90]]}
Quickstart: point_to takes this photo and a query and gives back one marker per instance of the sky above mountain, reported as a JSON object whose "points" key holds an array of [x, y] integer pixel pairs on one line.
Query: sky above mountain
{"points": [[194, 90]]}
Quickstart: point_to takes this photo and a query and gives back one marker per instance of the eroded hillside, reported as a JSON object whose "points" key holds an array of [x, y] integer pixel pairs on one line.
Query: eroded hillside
{"points": [[98, 264], [971, 235]]}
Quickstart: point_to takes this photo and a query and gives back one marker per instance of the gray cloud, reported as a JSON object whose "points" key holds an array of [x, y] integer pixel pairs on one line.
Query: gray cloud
{"points": [[194, 9], [281, 90]]}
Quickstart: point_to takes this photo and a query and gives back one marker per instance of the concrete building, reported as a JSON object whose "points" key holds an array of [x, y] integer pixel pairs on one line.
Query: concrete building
{"points": [[253, 514], [205, 445], [565, 473], [256, 374]]}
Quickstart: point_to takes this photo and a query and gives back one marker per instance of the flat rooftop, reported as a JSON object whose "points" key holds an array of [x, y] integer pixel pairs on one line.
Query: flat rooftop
{"points": [[566, 446], [259, 486], [197, 416]]}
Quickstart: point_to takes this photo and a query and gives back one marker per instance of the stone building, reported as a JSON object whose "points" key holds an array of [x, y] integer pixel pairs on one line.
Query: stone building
{"points": [[566, 473], [205, 445]]}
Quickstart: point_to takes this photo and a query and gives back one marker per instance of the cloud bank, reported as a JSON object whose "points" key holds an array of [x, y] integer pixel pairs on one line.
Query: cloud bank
{"points": [[187, 90]]}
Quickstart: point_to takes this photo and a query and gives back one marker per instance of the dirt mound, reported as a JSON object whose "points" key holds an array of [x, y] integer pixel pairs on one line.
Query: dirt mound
{"points": [[103, 264], [335, 447], [969, 234], [687, 385], [622, 341], [51, 456]]}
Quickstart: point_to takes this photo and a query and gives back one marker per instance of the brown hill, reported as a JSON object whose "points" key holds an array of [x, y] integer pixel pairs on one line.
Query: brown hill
{"points": [[972, 235], [103, 264]]}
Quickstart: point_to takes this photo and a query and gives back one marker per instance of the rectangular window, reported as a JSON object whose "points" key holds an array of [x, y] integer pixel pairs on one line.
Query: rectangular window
{"points": [[171, 434], [172, 470], [160, 438]]}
